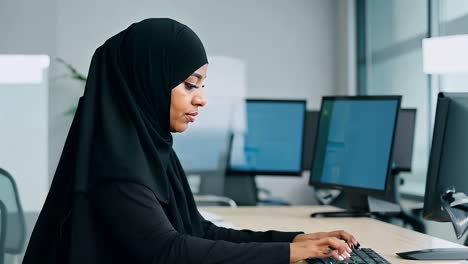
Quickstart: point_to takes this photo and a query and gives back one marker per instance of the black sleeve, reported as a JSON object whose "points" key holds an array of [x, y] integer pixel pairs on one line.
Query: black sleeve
{"points": [[134, 218], [220, 233]]}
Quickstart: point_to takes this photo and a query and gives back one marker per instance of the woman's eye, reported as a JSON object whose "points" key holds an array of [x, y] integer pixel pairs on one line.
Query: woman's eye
{"points": [[190, 86]]}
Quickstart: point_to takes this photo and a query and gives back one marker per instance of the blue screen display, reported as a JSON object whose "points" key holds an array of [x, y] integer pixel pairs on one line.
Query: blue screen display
{"points": [[354, 141], [273, 140]]}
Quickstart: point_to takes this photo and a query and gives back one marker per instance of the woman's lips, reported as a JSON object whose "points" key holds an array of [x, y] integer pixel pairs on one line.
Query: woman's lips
{"points": [[191, 116]]}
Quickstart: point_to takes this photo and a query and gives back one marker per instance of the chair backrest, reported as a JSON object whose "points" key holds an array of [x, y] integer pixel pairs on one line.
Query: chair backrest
{"points": [[15, 222]]}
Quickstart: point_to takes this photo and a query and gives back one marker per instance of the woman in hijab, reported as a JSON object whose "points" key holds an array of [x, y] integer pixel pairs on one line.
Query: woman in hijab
{"points": [[119, 194]]}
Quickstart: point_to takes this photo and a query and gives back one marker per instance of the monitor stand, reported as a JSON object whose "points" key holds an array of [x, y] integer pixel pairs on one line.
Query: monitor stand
{"points": [[436, 254], [448, 199], [241, 188], [362, 205]]}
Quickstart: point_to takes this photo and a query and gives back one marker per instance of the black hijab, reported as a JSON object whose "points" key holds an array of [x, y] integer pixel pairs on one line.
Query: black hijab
{"points": [[121, 132]]}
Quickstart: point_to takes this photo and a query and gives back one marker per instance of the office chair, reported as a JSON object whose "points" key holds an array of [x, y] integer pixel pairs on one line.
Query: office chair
{"points": [[13, 227]]}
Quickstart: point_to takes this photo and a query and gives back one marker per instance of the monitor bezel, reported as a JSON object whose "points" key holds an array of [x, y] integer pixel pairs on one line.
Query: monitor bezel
{"points": [[435, 157], [313, 111], [230, 171], [406, 169], [389, 165]]}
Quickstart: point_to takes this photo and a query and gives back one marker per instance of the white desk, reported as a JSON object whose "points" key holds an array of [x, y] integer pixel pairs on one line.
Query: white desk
{"points": [[385, 239]]}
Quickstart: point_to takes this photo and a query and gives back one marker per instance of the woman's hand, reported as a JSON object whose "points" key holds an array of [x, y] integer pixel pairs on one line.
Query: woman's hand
{"points": [[319, 248], [340, 234]]}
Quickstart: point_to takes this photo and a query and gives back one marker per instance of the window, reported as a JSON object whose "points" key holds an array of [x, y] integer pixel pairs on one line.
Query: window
{"points": [[453, 20], [389, 43]]}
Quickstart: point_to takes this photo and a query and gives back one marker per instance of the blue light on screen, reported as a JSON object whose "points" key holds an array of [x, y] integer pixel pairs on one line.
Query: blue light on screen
{"points": [[354, 142], [273, 140]]}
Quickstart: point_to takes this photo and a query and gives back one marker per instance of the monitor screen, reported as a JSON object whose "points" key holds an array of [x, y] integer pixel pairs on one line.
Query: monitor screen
{"points": [[272, 143], [354, 140], [404, 140], [448, 166], [402, 145]]}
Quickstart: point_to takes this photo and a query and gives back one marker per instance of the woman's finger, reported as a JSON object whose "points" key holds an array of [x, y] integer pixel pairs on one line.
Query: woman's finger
{"points": [[336, 244], [350, 239], [335, 255]]}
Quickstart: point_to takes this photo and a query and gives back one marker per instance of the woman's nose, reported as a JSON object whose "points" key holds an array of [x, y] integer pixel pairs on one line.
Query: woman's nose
{"points": [[200, 100]]}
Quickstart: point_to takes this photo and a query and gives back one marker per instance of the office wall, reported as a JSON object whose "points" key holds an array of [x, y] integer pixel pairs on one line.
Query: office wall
{"points": [[28, 27], [290, 48]]}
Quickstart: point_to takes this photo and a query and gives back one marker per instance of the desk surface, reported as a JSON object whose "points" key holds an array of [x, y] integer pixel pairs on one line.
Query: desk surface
{"points": [[385, 239]]}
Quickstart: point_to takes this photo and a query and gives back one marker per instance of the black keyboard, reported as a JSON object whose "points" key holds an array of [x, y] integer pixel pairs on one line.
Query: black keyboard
{"points": [[361, 255]]}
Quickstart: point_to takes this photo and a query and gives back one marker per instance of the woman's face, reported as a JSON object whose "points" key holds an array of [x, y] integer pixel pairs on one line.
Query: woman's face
{"points": [[186, 98]]}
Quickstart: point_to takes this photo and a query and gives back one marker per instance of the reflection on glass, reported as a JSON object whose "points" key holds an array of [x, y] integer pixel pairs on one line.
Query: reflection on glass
{"points": [[394, 31]]}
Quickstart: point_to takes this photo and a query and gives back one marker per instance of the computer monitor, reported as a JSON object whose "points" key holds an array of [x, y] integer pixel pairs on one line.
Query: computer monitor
{"points": [[448, 167], [353, 147], [403, 144], [448, 164], [402, 156], [272, 144]]}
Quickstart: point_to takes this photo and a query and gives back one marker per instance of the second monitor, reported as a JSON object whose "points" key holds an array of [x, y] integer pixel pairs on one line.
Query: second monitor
{"points": [[353, 147], [271, 145]]}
